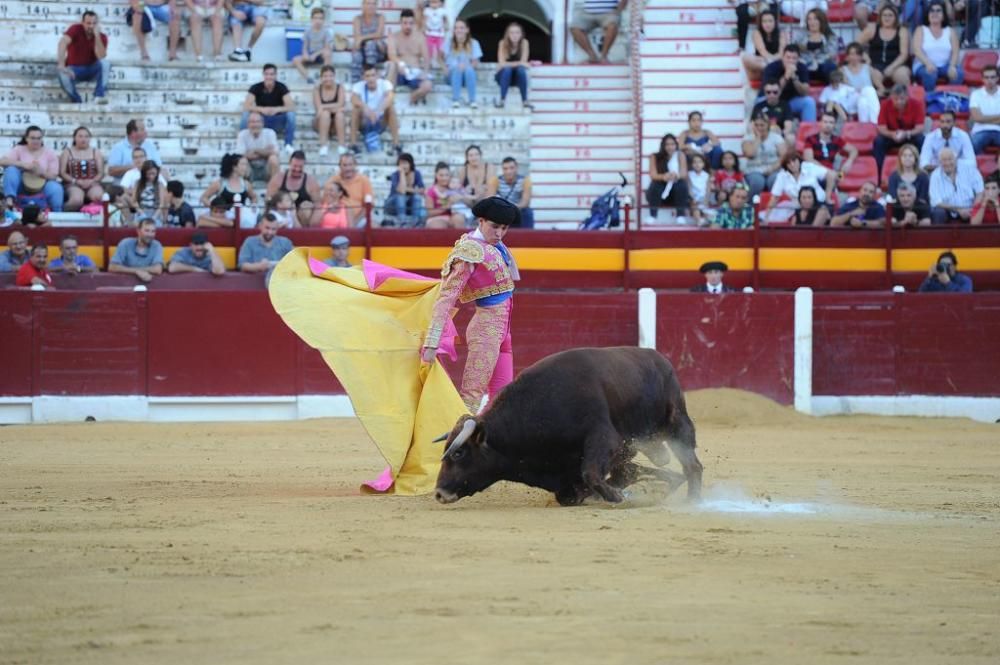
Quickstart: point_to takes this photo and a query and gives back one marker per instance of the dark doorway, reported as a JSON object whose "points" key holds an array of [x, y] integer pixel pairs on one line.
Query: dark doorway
{"points": [[489, 29]]}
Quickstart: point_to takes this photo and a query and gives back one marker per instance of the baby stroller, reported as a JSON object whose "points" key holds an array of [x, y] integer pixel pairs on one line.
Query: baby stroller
{"points": [[605, 210]]}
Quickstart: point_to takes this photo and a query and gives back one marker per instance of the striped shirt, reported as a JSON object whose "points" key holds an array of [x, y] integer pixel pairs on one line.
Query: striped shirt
{"points": [[600, 6]]}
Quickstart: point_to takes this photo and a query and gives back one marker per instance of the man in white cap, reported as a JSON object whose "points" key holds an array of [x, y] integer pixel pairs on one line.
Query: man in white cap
{"points": [[341, 246]]}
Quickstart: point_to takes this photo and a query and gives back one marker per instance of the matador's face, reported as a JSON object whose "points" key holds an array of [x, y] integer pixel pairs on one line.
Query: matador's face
{"points": [[492, 232]]}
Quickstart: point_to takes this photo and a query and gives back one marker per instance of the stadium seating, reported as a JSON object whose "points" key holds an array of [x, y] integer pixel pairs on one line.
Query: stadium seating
{"points": [[863, 170], [973, 64]]}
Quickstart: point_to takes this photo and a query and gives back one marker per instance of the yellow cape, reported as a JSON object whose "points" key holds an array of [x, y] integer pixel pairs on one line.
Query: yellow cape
{"points": [[371, 339]]}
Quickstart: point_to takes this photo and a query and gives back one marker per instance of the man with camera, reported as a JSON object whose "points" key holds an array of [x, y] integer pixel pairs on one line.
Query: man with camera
{"points": [[943, 277]]}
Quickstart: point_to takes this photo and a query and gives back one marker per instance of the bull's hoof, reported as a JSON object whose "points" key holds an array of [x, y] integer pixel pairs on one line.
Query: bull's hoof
{"points": [[571, 497]]}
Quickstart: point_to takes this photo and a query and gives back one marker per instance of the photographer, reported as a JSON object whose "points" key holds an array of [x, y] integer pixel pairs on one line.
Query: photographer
{"points": [[944, 277]]}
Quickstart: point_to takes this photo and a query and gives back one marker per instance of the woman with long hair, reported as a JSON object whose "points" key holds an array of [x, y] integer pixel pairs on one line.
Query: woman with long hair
{"points": [[795, 174], [696, 140], [768, 43], [234, 178], [819, 46], [81, 168], [668, 177], [810, 211], [762, 154], [405, 202], [858, 74], [462, 54], [908, 170], [31, 169], [149, 194], [512, 64], [888, 43], [475, 175], [936, 50]]}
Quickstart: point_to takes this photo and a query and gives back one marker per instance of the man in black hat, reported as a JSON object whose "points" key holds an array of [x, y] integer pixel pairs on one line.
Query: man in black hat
{"points": [[480, 268], [199, 256], [713, 272]]}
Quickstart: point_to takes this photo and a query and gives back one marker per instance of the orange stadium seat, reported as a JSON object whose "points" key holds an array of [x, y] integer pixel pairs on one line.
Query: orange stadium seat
{"points": [[888, 166], [806, 129], [973, 64], [863, 170], [841, 11], [861, 135], [987, 164]]}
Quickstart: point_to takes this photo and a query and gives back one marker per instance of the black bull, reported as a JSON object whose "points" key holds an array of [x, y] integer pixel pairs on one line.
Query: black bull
{"points": [[571, 424]]}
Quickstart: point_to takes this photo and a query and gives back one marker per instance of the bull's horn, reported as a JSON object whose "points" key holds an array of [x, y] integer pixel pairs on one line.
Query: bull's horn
{"points": [[467, 427], [443, 437]]}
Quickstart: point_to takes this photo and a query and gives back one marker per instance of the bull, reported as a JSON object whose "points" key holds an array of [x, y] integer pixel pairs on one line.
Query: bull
{"points": [[571, 424]]}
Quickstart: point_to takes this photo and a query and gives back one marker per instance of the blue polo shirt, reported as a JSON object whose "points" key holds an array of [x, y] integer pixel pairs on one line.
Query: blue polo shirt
{"points": [[82, 260], [186, 256], [874, 212], [129, 255]]}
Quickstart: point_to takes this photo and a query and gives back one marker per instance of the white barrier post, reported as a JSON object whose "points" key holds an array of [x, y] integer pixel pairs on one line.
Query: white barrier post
{"points": [[647, 318], [803, 349]]}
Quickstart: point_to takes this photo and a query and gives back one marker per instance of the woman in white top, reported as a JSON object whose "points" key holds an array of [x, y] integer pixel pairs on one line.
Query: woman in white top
{"points": [[793, 175], [667, 177], [798, 8], [858, 75], [935, 49]]}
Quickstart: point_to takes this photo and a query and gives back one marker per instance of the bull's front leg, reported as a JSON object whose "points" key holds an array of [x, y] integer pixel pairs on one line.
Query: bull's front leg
{"points": [[600, 450]]}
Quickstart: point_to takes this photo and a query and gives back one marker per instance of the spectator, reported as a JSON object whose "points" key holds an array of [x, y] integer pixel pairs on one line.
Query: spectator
{"points": [[283, 210], [745, 11], [986, 211], [763, 151], [984, 111], [516, 188], [798, 8], [405, 202], [341, 246], [372, 110], [907, 172], [260, 253], [462, 54], [199, 256], [70, 261], [862, 211], [149, 194], [819, 47], [699, 188], [839, 98], [317, 45], [935, 49], [441, 198], [736, 212], [328, 101], [163, 11], [218, 215], [259, 144], [826, 149], [134, 174], [696, 140], [810, 211], [334, 212], [863, 9], [200, 11], [274, 102], [591, 14], [955, 188], [142, 255], [119, 208], [778, 115], [32, 170], [475, 176], [768, 43], [33, 271], [792, 78], [512, 65], [888, 45], [246, 12], [727, 177], [409, 60], [908, 209], [179, 212], [947, 135], [944, 277], [82, 55], [975, 12], [713, 271], [667, 178], [858, 77], [357, 186], [120, 157], [16, 254], [795, 174], [900, 120], [234, 180], [81, 168], [432, 20], [368, 41], [302, 188]]}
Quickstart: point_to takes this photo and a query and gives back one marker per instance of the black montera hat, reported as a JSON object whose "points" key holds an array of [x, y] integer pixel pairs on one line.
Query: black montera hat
{"points": [[713, 265], [498, 210]]}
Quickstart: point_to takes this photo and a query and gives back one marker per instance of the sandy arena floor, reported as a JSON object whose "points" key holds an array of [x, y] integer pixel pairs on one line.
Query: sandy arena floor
{"points": [[839, 540]]}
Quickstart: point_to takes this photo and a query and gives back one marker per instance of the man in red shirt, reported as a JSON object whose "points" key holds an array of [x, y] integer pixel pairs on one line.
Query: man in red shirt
{"points": [[900, 121], [34, 272], [83, 56], [987, 211], [824, 148]]}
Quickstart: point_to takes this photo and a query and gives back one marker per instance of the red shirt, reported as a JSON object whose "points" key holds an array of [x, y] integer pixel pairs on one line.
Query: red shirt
{"points": [[989, 217], [27, 272], [911, 116], [833, 148], [80, 51]]}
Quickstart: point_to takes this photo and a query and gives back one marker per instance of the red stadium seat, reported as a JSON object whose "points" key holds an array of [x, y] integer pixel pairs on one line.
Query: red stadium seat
{"points": [[861, 135], [806, 129], [888, 166], [863, 170], [917, 92], [987, 164], [973, 64], [840, 11]]}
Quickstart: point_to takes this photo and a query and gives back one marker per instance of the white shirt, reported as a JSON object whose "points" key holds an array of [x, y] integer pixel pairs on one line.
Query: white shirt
{"points": [[714, 289], [130, 177], [938, 51], [810, 175], [434, 21], [372, 98], [961, 191], [246, 141], [844, 95], [934, 143], [988, 105], [698, 183]]}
